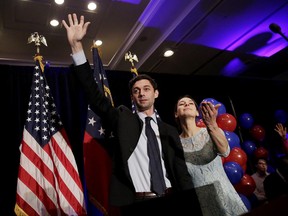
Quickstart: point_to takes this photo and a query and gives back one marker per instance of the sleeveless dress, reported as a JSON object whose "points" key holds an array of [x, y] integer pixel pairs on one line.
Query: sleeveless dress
{"points": [[216, 194]]}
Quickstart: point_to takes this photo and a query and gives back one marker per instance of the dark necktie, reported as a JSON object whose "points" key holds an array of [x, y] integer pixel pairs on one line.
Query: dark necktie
{"points": [[157, 177]]}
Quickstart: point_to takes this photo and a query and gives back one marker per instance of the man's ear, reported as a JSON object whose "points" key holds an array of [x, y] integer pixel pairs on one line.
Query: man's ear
{"points": [[156, 93]]}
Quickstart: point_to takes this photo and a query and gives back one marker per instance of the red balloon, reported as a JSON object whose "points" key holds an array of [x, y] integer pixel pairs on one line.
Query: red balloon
{"points": [[237, 155], [200, 123], [226, 122], [246, 186], [261, 152], [258, 132], [244, 167]]}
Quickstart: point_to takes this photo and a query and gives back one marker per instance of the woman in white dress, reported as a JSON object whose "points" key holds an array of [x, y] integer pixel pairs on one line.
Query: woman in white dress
{"points": [[203, 148]]}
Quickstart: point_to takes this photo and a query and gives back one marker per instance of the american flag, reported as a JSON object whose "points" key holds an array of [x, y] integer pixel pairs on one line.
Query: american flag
{"points": [[48, 179], [97, 161]]}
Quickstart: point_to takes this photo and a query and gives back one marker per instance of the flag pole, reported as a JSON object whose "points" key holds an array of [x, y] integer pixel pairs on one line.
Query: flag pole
{"points": [[131, 58], [38, 39]]}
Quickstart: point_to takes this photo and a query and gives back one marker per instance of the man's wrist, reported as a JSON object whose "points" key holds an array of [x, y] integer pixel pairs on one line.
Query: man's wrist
{"points": [[76, 47], [79, 58]]}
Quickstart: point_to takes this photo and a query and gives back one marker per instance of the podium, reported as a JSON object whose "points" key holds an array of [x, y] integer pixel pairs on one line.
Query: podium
{"points": [[180, 203]]}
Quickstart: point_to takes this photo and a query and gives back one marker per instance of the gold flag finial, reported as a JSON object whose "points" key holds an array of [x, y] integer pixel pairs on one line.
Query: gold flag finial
{"points": [[37, 39], [131, 58]]}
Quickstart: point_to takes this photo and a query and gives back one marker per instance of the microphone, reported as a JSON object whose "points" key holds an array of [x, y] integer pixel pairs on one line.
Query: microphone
{"points": [[277, 29]]}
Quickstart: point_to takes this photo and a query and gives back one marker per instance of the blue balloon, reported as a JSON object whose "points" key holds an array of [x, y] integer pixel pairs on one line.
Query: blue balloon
{"points": [[280, 116], [246, 201], [233, 139], [233, 171], [211, 100], [249, 147], [246, 120], [221, 109], [270, 169]]}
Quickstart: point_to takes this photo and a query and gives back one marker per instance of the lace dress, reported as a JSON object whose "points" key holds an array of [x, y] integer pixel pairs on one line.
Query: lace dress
{"points": [[206, 169]]}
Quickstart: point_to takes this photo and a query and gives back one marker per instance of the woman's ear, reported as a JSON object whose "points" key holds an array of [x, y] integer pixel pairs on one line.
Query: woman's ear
{"points": [[175, 115]]}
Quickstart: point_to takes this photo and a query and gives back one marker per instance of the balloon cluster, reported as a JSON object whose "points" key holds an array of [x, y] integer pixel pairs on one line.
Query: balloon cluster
{"points": [[257, 132], [236, 163]]}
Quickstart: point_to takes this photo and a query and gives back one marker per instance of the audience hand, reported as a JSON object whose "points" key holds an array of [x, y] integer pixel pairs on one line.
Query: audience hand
{"points": [[281, 130]]}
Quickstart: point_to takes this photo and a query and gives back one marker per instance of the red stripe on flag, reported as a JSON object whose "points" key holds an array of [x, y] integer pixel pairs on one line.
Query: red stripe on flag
{"points": [[97, 171], [22, 204], [36, 189]]}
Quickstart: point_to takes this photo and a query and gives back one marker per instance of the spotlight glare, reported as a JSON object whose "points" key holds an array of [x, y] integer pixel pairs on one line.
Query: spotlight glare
{"points": [[54, 22], [92, 6], [59, 2], [168, 53], [98, 43]]}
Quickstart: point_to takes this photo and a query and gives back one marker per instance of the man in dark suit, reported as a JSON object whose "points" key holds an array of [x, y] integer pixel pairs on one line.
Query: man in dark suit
{"points": [[130, 181], [276, 184]]}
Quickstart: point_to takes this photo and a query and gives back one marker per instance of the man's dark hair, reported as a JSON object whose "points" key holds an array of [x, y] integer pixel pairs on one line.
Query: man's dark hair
{"points": [[256, 160], [141, 77]]}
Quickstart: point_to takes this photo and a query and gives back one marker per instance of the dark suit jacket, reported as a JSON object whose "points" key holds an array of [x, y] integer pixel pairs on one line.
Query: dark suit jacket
{"points": [[275, 186], [127, 128]]}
